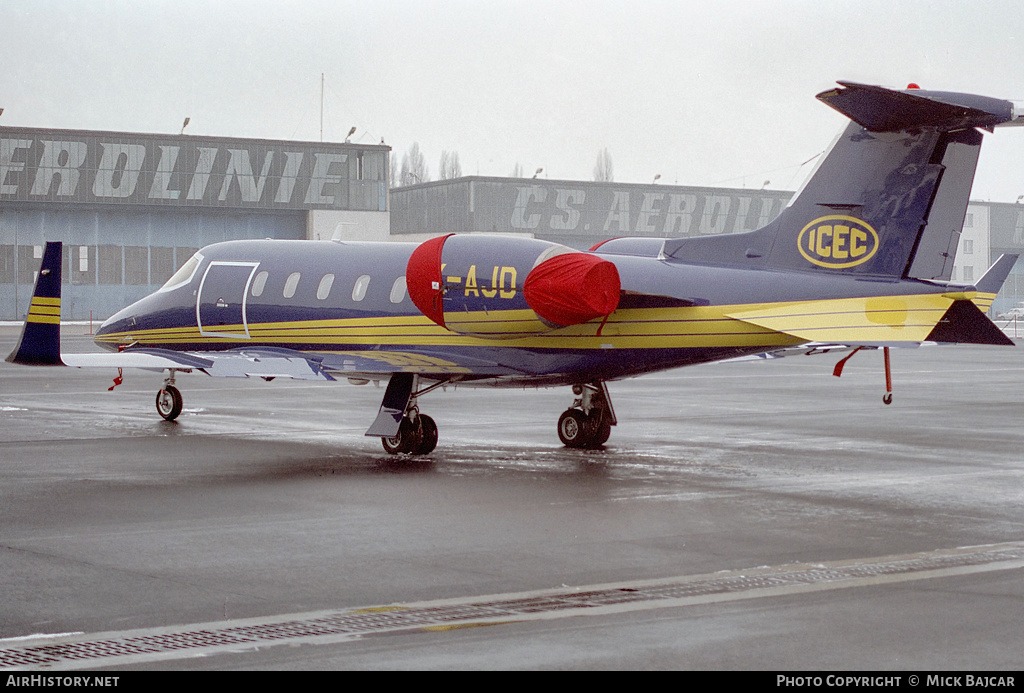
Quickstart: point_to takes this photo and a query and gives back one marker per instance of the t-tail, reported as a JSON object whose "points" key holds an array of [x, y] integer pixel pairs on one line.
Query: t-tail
{"points": [[40, 338], [887, 200]]}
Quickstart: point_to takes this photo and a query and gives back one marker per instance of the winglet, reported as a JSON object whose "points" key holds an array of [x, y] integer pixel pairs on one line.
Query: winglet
{"points": [[40, 337]]}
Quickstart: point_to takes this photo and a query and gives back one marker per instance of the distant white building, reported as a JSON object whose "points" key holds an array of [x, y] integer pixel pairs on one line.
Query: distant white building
{"points": [[973, 252]]}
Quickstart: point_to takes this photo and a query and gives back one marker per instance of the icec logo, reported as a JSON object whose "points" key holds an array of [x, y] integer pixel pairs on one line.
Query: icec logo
{"points": [[837, 241]]}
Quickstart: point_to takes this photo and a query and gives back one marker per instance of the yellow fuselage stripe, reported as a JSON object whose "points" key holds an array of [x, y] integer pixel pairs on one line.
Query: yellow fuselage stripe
{"points": [[888, 318]]}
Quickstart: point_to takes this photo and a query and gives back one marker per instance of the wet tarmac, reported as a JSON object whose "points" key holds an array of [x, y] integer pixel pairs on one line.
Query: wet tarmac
{"points": [[264, 501]]}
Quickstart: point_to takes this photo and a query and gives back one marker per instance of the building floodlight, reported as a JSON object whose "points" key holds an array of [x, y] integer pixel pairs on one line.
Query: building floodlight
{"points": [[184, 125], [350, 133], [538, 172]]}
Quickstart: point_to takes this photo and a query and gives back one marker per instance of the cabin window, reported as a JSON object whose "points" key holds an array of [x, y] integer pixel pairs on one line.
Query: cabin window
{"points": [[359, 290], [324, 290], [398, 290], [259, 283], [291, 284]]}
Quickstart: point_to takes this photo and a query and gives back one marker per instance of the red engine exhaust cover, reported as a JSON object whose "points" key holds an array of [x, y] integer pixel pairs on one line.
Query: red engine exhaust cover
{"points": [[423, 278], [572, 288]]}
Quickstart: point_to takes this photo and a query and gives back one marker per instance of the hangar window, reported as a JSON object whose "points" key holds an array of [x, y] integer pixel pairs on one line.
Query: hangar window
{"points": [[324, 290], [161, 264], [291, 284], [110, 262], [359, 290], [136, 264], [398, 290], [259, 283]]}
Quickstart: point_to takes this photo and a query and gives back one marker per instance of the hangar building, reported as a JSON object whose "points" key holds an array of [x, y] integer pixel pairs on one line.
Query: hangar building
{"points": [[132, 208]]}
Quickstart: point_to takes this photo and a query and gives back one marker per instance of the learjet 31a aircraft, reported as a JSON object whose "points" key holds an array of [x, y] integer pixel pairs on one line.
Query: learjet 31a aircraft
{"points": [[860, 258]]}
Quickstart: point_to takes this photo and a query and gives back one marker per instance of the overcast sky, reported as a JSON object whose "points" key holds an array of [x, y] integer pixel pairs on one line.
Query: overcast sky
{"points": [[703, 93]]}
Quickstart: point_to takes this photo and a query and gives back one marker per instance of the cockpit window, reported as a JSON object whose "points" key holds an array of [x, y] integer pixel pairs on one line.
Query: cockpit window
{"points": [[184, 274]]}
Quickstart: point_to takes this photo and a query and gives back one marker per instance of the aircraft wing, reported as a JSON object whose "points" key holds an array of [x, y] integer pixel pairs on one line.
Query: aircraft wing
{"points": [[298, 365]]}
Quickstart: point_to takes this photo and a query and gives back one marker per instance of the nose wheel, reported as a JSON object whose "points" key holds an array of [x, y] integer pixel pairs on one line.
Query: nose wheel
{"points": [[168, 403], [168, 399]]}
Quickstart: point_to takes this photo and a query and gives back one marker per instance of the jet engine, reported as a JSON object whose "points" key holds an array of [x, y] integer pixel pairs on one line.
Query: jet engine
{"points": [[502, 287]]}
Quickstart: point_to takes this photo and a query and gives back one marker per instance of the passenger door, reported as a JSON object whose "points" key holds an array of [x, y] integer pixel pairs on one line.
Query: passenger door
{"points": [[220, 304]]}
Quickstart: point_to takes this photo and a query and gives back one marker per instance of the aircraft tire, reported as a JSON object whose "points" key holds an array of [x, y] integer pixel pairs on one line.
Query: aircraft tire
{"points": [[573, 429], [168, 403], [407, 441], [428, 435], [601, 432]]}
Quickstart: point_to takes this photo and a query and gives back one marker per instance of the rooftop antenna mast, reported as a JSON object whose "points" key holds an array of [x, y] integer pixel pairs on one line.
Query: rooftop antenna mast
{"points": [[321, 106]]}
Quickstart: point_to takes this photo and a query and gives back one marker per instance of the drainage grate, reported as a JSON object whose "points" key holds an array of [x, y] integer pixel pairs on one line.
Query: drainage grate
{"points": [[110, 649]]}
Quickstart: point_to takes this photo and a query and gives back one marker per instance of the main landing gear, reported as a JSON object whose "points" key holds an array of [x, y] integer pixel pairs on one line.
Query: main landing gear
{"points": [[588, 422], [399, 424], [417, 435], [168, 400]]}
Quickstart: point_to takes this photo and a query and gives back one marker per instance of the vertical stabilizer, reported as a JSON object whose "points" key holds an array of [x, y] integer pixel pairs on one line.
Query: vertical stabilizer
{"points": [[887, 200], [40, 337]]}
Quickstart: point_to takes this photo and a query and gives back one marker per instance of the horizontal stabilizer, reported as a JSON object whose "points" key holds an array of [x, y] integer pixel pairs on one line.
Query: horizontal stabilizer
{"points": [[878, 109]]}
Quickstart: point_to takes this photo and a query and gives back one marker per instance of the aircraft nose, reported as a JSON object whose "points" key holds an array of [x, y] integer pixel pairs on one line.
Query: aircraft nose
{"points": [[113, 331]]}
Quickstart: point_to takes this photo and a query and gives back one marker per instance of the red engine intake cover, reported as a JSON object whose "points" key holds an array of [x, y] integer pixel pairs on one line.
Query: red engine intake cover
{"points": [[573, 288]]}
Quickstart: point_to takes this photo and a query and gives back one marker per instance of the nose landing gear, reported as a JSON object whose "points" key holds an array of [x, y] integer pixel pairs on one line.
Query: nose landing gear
{"points": [[168, 399]]}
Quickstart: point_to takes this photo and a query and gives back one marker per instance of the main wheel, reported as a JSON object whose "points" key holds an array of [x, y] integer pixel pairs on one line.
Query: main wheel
{"points": [[406, 442], [168, 403], [602, 429], [428, 435], [572, 428]]}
